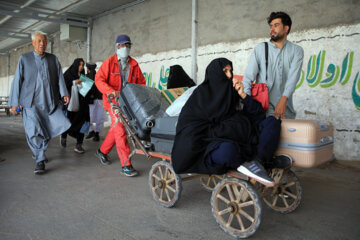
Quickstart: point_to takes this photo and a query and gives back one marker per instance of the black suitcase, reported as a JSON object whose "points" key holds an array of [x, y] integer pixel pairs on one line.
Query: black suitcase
{"points": [[163, 134], [142, 105]]}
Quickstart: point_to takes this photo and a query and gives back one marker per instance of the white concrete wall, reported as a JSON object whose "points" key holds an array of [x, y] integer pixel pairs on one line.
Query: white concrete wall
{"points": [[337, 100]]}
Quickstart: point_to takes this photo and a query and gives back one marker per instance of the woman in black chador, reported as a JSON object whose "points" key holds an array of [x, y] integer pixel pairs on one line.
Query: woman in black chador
{"points": [[80, 120], [221, 128]]}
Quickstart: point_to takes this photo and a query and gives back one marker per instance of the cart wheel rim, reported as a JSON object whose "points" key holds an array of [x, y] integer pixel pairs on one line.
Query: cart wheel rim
{"points": [[236, 207], [286, 195], [164, 183]]}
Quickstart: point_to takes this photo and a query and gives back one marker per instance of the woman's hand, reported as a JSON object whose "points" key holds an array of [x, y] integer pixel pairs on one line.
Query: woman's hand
{"points": [[78, 81], [239, 87]]}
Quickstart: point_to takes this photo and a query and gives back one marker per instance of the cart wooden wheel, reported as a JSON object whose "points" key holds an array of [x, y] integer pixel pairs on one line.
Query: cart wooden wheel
{"points": [[165, 184], [210, 181], [236, 207], [286, 195]]}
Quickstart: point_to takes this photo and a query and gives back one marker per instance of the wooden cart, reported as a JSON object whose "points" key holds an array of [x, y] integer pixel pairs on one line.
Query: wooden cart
{"points": [[236, 199]]}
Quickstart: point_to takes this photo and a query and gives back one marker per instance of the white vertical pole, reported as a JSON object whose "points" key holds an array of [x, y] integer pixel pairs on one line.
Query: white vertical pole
{"points": [[8, 74], [88, 55], [194, 41]]}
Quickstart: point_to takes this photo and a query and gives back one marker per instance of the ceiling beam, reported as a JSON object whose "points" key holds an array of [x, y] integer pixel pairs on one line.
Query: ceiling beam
{"points": [[13, 36], [118, 9], [19, 35], [54, 19], [41, 12]]}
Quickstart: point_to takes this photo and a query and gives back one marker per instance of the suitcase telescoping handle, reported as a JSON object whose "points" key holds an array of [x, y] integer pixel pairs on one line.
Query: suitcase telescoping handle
{"points": [[132, 134]]}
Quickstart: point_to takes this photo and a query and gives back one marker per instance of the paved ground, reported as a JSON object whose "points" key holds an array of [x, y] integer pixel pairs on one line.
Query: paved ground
{"points": [[78, 198]]}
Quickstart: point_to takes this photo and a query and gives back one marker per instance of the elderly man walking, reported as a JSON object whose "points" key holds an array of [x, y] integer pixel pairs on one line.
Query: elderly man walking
{"points": [[114, 72], [38, 87]]}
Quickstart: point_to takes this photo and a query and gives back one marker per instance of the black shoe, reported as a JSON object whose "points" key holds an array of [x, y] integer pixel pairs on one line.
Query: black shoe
{"points": [[90, 135], [96, 137], [103, 157], [129, 171], [254, 169], [78, 148], [281, 161], [39, 168], [62, 142]]}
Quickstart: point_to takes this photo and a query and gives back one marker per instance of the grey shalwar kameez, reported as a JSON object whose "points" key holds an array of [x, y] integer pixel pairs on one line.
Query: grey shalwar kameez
{"points": [[283, 73], [43, 118]]}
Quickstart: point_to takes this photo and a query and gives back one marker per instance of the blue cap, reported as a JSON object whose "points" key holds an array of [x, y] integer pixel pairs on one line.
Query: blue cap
{"points": [[123, 39]]}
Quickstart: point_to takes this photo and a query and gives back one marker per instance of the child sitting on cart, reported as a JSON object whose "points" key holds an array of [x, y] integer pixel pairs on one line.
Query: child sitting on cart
{"points": [[222, 128]]}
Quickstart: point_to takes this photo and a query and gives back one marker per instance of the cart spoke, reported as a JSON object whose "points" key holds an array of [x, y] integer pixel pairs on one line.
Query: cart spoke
{"points": [[226, 210], [290, 184], [245, 204], [237, 193], [247, 216], [240, 222], [171, 189], [154, 188], [230, 192], [208, 181], [231, 217], [284, 200], [155, 176], [170, 181], [161, 194], [275, 200], [213, 180], [290, 194], [167, 194], [169, 175], [161, 173], [221, 197]]}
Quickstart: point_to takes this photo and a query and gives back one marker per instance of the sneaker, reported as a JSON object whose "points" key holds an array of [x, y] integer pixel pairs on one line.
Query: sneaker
{"points": [[254, 169], [63, 142], [78, 149], [96, 137], [90, 135], [129, 171], [103, 157], [39, 168], [282, 162], [147, 145]]}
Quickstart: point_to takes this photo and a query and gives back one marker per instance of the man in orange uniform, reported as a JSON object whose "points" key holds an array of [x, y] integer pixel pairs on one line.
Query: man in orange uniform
{"points": [[113, 73]]}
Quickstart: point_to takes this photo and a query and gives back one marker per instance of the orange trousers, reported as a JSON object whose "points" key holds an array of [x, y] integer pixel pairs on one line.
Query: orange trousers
{"points": [[117, 136]]}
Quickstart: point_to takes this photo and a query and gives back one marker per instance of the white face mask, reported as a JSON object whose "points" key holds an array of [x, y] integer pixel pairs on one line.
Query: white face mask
{"points": [[122, 53]]}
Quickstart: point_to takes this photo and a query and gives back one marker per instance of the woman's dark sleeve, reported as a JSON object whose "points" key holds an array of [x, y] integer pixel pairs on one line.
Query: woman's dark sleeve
{"points": [[68, 82], [253, 107]]}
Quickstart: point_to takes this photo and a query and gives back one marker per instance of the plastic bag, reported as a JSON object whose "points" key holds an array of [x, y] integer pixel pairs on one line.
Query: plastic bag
{"points": [[175, 108], [86, 85], [74, 104]]}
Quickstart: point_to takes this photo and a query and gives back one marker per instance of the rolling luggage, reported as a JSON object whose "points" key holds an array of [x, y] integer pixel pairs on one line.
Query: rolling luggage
{"points": [[163, 134], [309, 142], [142, 105]]}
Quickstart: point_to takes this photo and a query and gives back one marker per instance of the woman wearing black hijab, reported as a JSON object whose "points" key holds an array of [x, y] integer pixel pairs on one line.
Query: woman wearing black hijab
{"points": [[80, 119], [221, 128]]}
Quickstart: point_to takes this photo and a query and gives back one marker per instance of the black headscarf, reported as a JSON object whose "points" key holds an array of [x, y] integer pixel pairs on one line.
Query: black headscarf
{"points": [[208, 117], [94, 93], [78, 118], [92, 71], [178, 78], [72, 73]]}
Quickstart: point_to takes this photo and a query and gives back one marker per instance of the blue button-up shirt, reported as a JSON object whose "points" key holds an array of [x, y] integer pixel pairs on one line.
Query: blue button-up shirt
{"points": [[284, 68]]}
